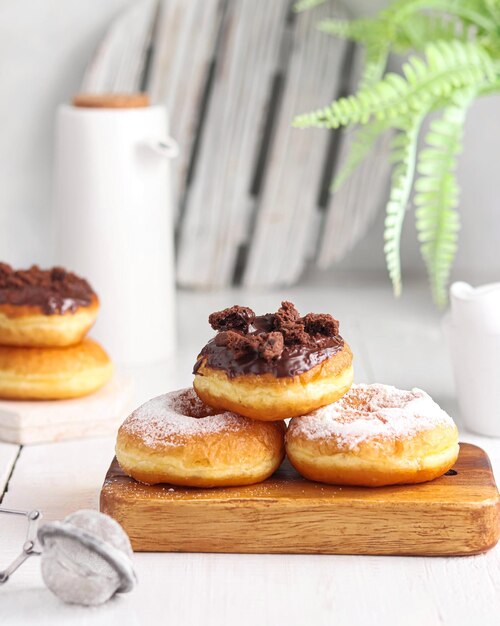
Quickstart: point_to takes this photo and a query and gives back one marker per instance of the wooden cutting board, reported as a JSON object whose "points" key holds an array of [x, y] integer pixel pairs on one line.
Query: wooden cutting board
{"points": [[457, 514]]}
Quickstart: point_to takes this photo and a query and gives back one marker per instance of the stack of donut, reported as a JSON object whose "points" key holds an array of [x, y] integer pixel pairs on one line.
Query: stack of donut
{"points": [[44, 317], [256, 372]]}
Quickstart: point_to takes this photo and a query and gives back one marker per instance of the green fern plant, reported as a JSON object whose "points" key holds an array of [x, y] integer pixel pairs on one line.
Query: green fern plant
{"points": [[452, 52]]}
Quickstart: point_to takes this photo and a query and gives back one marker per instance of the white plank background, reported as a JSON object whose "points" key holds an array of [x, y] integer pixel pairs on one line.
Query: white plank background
{"points": [[394, 342], [179, 72], [287, 218], [218, 204], [249, 190], [118, 62]]}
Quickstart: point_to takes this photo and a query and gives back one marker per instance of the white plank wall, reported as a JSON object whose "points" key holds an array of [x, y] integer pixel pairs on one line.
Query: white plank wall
{"points": [[289, 203], [118, 63], [218, 203], [228, 228], [185, 47]]}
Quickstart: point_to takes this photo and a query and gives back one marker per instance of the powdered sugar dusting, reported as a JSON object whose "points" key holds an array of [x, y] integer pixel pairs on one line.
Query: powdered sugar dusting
{"points": [[368, 411], [171, 418]]}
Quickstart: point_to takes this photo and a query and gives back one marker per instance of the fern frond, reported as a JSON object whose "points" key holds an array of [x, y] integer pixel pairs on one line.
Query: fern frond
{"points": [[410, 24], [482, 13], [416, 31], [402, 35], [449, 66], [458, 42], [437, 193], [305, 5], [493, 8], [365, 31], [489, 88], [403, 154], [375, 64], [362, 143], [470, 11]]}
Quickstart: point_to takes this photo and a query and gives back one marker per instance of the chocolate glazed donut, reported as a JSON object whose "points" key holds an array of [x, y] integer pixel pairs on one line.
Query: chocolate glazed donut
{"points": [[273, 366], [44, 308]]}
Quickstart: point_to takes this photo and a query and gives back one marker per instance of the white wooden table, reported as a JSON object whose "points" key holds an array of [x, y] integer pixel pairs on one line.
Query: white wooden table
{"points": [[393, 342]]}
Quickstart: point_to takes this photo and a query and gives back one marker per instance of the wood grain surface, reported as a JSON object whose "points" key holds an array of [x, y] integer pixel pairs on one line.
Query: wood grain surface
{"points": [[454, 515]]}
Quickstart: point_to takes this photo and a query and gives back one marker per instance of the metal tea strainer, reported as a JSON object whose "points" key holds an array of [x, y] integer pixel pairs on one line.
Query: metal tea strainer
{"points": [[85, 559]]}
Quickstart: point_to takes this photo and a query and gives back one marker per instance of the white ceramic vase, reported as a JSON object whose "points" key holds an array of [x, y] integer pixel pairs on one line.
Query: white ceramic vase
{"points": [[114, 223], [473, 330]]}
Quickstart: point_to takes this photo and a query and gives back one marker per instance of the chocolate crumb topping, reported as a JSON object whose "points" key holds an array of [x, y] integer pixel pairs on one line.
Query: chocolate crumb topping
{"points": [[235, 342], [281, 343], [286, 315], [287, 321], [271, 345], [267, 345], [55, 291], [321, 324], [233, 318]]}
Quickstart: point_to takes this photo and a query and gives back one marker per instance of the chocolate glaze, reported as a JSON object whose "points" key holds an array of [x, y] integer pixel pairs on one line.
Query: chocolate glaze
{"points": [[294, 360], [54, 291]]}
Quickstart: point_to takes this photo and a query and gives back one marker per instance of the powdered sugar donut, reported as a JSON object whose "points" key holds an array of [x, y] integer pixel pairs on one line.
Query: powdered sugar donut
{"points": [[177, 439], [374, 435]]}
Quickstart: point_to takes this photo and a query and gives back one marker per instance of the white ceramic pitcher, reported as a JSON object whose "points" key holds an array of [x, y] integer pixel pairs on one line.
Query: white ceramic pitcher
{"points": [[114, 223], [473, 329]]}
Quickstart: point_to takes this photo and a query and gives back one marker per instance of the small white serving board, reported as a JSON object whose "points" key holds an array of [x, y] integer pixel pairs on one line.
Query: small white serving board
{"points": [[96, 415]]}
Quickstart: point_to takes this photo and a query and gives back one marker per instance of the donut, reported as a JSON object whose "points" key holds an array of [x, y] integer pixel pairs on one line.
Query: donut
{"points": [[274, 366], [375, 435], [44, 308], [53, 373], [177, 439]]}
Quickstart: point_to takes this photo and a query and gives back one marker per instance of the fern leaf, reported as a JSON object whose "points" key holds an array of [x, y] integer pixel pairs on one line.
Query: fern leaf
{"points": [[402, 35], [414, 32], [449, 66], [403, 154], [375, 64], [362, 143], [437, 193], [363, 30], [481, 13], [305, 5], [470, 11], [490, 88], [409, 25], [493, 8]]}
